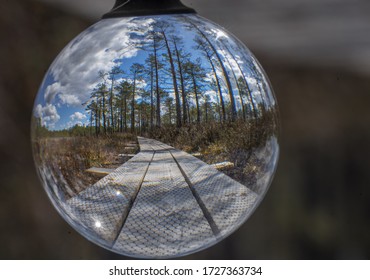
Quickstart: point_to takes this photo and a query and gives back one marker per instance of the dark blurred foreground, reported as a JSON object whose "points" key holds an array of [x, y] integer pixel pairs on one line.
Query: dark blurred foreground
{"points": [[316, 208]]}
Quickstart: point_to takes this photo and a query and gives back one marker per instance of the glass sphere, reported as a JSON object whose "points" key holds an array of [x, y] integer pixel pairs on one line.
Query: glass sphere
{"points": [[155, 136]]}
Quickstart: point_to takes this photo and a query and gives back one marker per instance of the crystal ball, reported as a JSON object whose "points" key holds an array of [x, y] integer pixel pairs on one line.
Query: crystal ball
{"points": [[155, 136]]}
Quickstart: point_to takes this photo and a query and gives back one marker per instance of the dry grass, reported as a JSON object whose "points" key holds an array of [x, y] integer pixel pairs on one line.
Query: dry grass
{"points": [[219, 142], [72, 156]]}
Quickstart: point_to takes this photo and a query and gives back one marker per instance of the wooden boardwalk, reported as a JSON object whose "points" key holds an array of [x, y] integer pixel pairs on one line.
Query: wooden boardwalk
{"points": [[162, 203]]}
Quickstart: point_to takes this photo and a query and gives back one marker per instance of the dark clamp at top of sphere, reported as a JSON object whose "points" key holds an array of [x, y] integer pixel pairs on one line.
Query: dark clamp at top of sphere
{"points": [[127, 8]]}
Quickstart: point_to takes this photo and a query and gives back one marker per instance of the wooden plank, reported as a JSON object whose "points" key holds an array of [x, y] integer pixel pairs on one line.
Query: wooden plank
{"points": [[100, 171], [228, 202], [101, 208], [127, 155], [131, 145], [161, 203], [223, 165], [166, 219]]}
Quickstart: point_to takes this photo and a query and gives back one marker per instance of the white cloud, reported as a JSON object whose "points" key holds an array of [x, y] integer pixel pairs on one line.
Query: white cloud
{"points": [[77, 116], [70, 99], [96, 49], [38, 111], [51, 91], [141, 84], [49, 115], [72, 124]]}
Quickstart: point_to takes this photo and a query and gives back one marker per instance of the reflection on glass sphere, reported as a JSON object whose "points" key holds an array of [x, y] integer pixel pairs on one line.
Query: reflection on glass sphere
{"points": [[155, 137]]}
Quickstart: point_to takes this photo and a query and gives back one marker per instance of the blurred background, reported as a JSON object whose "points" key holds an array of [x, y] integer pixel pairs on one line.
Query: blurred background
{"points": [[317, 55]]}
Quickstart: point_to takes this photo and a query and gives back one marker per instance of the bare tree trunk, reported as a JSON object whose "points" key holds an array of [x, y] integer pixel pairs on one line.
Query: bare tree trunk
{"points": [[224, 71], [182, 83], [188, 109], [104, 118], [125, 114], [121, 113], [239, 89], [157, 85], [140, 115], [151, 96], [174, 79], [196, 96], [97, 116], [121, 120], [218, 87], [96, 124], [133, 106], [100, 116], [249, 92], [111, 105]]}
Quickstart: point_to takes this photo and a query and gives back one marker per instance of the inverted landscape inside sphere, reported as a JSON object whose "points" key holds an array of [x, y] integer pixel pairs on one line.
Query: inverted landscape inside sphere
{"points": [[155, 136]]}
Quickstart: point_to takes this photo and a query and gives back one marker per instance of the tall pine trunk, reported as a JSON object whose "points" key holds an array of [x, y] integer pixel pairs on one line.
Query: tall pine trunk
{"points": [[224, 71], [111, 105], [174, 80], [182, 83], [238, 86], [104, 118], [158, 113], [195, 87], [218, 87], [133, 106], [121, 112], [249, 92], [125, 114], [151, 95]]}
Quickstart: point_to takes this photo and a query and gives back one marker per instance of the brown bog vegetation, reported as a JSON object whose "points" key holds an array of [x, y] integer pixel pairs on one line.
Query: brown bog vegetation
{"points": [[71, 156]]}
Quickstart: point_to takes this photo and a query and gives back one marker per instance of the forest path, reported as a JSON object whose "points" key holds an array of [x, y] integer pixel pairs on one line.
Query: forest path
{"points": [[162, 202]]}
